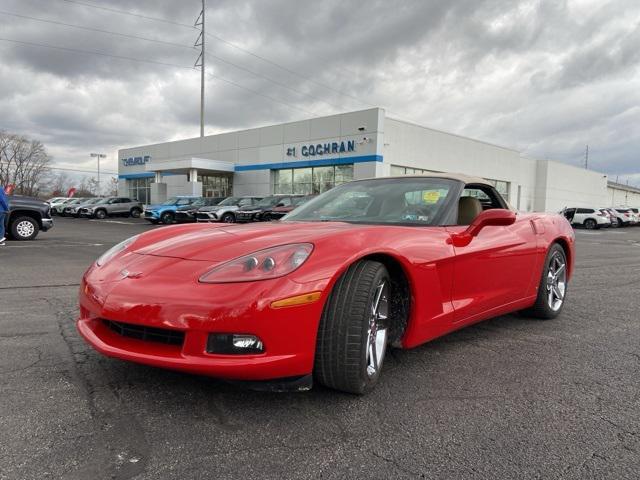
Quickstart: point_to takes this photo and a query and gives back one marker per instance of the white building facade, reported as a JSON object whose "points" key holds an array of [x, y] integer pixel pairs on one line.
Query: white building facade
{"points": [[312, 156]]}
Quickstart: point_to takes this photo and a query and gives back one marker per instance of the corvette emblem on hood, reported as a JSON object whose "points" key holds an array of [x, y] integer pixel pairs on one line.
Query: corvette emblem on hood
{"points": [[127, 274]]}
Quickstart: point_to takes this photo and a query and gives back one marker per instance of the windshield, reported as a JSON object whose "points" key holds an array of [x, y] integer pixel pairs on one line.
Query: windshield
{"points": [[91, 201], [419, 201], [230, 201], [103, 201], [268, 201]]}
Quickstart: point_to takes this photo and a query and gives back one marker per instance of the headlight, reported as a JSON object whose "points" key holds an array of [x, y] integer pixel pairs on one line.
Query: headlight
{"points": [[109, 254], [261, 265]]}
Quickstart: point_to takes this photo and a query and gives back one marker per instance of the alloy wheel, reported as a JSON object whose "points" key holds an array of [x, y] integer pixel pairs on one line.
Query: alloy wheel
{"points": [[377, 332], [556, 281]]}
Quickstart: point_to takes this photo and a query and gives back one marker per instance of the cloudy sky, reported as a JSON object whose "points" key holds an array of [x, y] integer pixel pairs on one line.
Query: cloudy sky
{"points": [[546, 77]]}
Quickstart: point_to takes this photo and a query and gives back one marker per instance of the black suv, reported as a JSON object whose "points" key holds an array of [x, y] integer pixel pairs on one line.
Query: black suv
{"points": [[255, 213], [27, 216]]}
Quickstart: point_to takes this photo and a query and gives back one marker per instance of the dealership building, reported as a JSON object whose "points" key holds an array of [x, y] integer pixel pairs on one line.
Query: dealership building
{"points": [[312, 156]]}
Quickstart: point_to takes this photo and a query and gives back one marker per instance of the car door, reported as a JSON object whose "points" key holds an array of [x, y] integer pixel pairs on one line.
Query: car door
{"points": [[118, 205], [496, 268]]}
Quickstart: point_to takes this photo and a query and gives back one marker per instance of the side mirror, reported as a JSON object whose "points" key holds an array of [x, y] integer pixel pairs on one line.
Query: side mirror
{"points": [[496, 217]]}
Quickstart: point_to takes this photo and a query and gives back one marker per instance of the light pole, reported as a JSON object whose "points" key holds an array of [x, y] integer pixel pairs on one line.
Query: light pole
{"points": [[98, 156]]}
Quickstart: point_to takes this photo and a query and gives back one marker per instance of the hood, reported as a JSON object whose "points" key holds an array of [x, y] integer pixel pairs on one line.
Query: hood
{"points": [[218, 243], [213, 208], [157, 207], [19, 201]]}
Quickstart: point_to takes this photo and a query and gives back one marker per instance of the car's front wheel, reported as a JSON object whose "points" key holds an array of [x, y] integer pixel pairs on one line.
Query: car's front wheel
{"points": [[228, 218], [167, 218], [552, 290], [353, 332], [24, 228], [101, 214]]}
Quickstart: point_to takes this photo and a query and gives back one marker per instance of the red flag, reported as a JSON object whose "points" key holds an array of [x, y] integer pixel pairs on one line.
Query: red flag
{"points": [[71, 192], [9, 189]]}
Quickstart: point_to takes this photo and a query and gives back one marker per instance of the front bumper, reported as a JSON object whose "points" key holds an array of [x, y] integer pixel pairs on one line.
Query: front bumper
{"points": [[151, 215], [245, 217], [207, 217], [185, 217], [47, 224], [197, 310]]}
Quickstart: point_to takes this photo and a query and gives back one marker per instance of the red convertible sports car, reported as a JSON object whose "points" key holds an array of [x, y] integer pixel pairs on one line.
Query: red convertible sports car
{"points": [[323, 293]]}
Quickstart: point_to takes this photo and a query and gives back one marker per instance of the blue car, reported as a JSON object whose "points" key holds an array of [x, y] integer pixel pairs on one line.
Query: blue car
{"points": [[166, 211]]}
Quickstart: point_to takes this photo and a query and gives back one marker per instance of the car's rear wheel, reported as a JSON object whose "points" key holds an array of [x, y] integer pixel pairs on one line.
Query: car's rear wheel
{"points": [[101, 214], [135, 212], [590, 224], [353, 332], [24, 228], [228, 218], [552, 290]]}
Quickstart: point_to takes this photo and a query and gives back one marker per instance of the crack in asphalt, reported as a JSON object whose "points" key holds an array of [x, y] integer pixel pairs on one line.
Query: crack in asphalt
{"points": [[126, 450]]}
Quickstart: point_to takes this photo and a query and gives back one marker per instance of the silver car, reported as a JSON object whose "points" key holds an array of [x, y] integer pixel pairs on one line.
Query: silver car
{"points": [[225, 210], [111, 206], [74, 209]]}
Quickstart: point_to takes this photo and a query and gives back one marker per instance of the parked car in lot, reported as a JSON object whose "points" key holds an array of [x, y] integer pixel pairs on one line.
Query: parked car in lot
{"points": [[255, 213], [321, 295], [112, 206], [165, 212], [276, 213], [225, 211], [60, 208], [636, 214], [73, 210], [623, 216], [589, 218], [58, 203], [187, 213], [27, 216]]}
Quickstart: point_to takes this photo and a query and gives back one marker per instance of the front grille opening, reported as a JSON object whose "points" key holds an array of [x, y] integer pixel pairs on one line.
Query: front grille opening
{"points": [[148, 334]]}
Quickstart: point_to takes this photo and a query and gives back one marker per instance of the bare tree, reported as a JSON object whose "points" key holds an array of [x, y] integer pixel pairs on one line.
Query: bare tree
{"points": [[23, 162], [113, 186]]}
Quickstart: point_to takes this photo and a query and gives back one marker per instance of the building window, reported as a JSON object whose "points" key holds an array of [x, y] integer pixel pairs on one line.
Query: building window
{"points": [[501, 187], [216, 185], [309, 181], [397, 170], [140, 189]]}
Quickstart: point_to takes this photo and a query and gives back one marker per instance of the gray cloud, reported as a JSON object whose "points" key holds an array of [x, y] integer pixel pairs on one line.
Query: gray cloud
{"points": [[543, 76]]}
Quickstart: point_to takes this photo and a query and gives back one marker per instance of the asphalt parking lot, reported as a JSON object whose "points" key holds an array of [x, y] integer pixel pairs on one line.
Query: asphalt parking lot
{"points": [[509, 398]]}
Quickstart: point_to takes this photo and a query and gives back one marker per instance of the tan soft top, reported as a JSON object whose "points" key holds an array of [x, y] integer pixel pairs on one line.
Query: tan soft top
{"points": [[467, 179]]}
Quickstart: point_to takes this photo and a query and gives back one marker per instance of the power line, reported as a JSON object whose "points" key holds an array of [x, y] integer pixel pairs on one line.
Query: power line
{"points": [[125, 12], [269, 79], [220, 39], [166, 64], [90, 29], [91, 52], [261, 94], [68, 169]]}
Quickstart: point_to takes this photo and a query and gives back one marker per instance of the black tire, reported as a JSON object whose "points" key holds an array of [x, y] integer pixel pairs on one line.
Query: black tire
{"points": [[228, 218], [266, 217], [541, 309], [590, 224], [101, 214], [24, 228], [167, 218], [341, 359], [135, 212]]}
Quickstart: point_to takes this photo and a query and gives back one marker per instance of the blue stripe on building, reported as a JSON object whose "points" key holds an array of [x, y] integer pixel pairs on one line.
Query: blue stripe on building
{"points": [[309, 163]]}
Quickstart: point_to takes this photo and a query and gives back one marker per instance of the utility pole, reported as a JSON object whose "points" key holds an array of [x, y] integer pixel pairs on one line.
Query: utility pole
{"points": [[98, 156], [586, 158], [200, 63]]}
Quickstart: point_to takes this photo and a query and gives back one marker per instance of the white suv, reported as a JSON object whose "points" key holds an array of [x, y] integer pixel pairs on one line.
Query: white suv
{"points": [[589, 218]]}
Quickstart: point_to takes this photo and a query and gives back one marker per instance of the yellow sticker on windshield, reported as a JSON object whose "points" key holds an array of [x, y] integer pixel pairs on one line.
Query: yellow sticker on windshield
{"points": [[431, 196]]}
